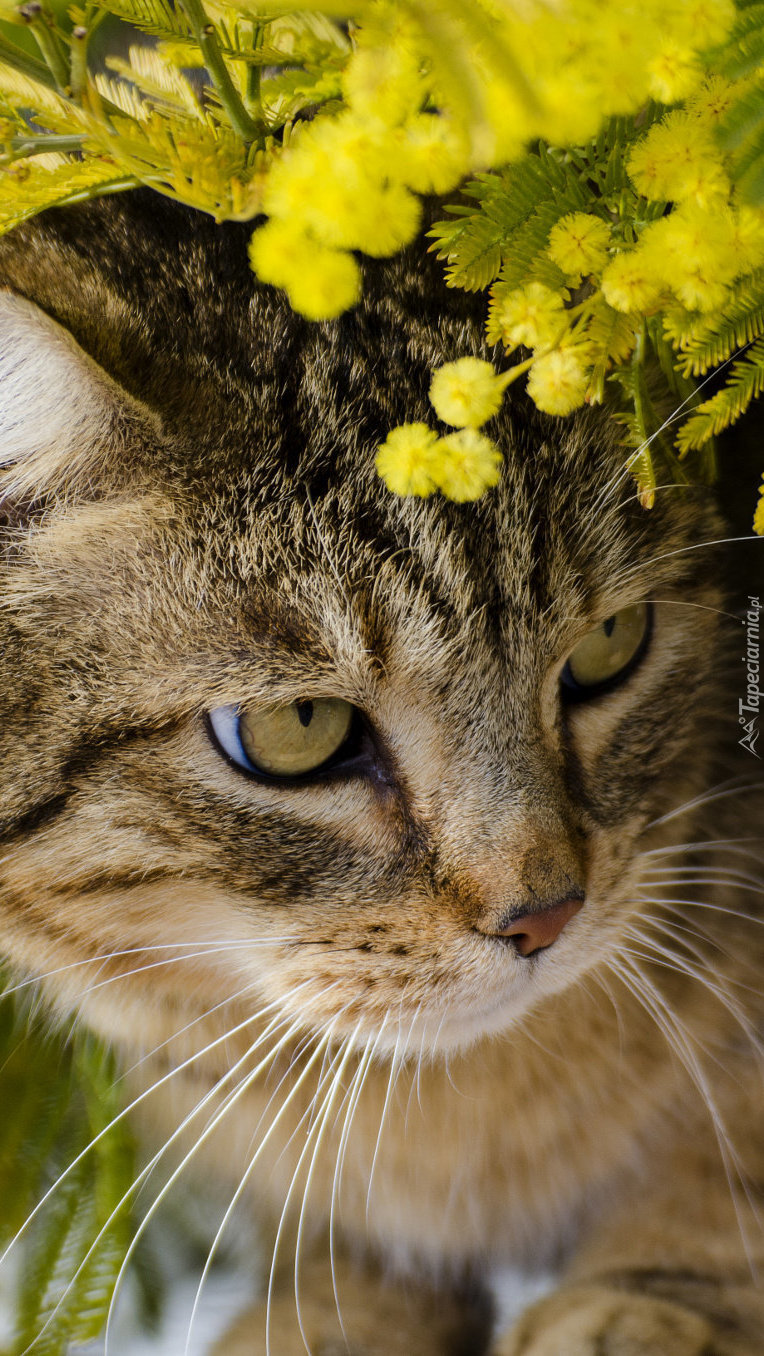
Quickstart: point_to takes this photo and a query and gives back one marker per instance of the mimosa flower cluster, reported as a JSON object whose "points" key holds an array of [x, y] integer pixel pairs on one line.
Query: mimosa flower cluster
{"points": [[632, 233], [414, 120], [414, 460]]}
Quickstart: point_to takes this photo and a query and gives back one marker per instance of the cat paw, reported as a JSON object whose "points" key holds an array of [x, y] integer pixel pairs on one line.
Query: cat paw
{"points": [[379, 1318], [598, 1321]]}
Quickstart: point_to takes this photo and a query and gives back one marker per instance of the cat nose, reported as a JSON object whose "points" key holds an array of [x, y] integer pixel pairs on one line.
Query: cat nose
{"points": [[530, 932]]}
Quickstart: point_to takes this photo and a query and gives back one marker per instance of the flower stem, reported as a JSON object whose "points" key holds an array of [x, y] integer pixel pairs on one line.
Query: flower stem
{"points": [[49, 43], [204, 32], [78, 68], [512, 373], [22, 147]]}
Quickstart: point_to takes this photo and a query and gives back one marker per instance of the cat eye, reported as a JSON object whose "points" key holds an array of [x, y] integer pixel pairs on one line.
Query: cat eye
{"points": [[608, 654], [284, 741]]}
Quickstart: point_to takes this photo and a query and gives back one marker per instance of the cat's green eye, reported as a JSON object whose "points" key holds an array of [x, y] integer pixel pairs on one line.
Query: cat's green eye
{"points": [[283, 741], [609, 652], [289, 740]]}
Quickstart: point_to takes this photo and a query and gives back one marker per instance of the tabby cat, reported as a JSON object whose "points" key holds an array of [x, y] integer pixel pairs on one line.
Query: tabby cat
{"points": [[399, 845]]}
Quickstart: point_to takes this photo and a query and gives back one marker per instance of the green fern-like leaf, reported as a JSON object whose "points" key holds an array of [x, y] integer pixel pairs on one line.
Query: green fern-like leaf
{"points": [[63, 1093], [743, 51], [746, 381], [474, 259], [526, 258], [475, 241], [613, 337], [713, 340], [158, 18], [744, 118], [36, 186]]}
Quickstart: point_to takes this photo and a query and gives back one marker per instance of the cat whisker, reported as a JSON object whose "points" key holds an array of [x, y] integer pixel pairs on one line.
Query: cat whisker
{"points": [[231, 1099], [312, 1142], [679, 1040], [355, 1084], [126, 1197], [721, 985], [732, 787], [405, 1053], [101, 959], [126, 1111], [320, 1044], [751, 885], [721, 874], [364, 1065], [681, 906], [155, 965], [234, 997], [669, 958], [702, 607], [611, 486], [734, 846], [348, 1104], [625, 578], [687, 927], [599, 979], [396, 1064]]}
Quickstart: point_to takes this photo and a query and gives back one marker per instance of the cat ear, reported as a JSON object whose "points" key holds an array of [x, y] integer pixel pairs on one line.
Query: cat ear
{"points": [[62, 419]]}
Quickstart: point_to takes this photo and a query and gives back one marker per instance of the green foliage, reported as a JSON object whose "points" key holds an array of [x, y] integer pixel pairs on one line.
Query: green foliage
{"points": [[741, 131], [59, 1094], [707, 341], [328, 121], [507, 232], [744, 384]]}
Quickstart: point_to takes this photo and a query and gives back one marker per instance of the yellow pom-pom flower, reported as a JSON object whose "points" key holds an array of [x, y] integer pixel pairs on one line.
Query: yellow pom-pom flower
{"points": [[430, 156], [383, 83], [321, 283], [466, 393], [277, 249], [386, 219], [558, 381], [630, 283], [674, 73], [532, 315], [578, 244], [679, 159], [325, 286], [749, 237], [758, 517], [696, 252], [699, 23], [405, 460], [464, 464], [712, 99]]}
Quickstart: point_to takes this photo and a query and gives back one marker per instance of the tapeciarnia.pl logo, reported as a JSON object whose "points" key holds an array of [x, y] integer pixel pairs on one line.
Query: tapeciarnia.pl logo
{"points": [[748, 708]]}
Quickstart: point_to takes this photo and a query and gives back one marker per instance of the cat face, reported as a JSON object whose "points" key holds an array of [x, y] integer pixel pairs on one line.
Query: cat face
{"points": [[275, 735]]}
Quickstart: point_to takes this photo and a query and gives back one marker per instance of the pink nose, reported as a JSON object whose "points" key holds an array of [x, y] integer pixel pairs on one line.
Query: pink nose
{"points": [[535, 931]]}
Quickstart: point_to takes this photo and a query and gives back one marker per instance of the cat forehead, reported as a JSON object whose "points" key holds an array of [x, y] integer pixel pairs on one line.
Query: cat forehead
{"points": [[263, 482], [303, 557]]}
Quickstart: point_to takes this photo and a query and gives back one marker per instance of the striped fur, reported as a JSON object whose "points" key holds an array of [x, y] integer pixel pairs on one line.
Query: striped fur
{"points": [[192, 518]]}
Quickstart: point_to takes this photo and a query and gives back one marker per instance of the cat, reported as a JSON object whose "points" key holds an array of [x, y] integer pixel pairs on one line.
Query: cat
{"points": [[403, 848]]}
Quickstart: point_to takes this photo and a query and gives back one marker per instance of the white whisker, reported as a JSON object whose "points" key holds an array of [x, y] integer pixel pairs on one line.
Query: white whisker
{"points": [[319, 1049], [137, 1101], [312, 1144], [679, 1040]]}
